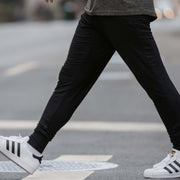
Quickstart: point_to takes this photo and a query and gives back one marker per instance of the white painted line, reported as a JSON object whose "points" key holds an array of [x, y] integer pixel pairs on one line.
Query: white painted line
{"points": [[60, 166], [69, 175], [17, 124], [90, 126], [20, 68], [59, 175], [115, 126], [116, 76], [87, 158]]}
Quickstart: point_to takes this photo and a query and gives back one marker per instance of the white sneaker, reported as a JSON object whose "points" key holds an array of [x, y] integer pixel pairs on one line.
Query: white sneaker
{"points": [[167, 168], [16, 149]]}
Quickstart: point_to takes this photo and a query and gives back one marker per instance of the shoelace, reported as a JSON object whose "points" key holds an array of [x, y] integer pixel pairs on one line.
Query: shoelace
{"points": [[19, 138], [163, 162]]}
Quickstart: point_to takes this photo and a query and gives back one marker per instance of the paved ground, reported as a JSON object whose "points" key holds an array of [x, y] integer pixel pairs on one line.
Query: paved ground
{"points": [[31, 56]]}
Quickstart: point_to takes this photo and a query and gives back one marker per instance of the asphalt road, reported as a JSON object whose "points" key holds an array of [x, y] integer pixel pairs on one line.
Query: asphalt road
{"points": [[31, 56]]}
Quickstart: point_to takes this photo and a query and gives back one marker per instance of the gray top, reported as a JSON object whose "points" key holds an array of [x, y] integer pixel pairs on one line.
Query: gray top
{"points": [[120, 7]]}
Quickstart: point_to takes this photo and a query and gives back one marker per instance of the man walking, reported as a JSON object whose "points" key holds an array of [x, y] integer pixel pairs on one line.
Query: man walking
{"points": [[105, 27]]}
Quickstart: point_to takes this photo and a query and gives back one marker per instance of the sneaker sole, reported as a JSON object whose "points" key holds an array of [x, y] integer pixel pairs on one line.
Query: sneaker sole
{"points": [[18, 162], [170, 176]]}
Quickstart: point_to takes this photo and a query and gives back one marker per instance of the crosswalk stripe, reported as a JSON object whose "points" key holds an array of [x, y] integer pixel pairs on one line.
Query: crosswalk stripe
{"points": [[59, 175], [77, 175], [90, 126], [86, 158]]}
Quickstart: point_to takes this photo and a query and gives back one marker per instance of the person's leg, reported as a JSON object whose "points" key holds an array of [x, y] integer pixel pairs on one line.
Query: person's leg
{"points": [[89, 53], [132, 37]]}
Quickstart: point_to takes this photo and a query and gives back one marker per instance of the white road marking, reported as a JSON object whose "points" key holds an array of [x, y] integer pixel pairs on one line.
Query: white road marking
{"points": [[77, 175], [60, 166], [123, 75], [114, 126], [87, 158], [20, 68], [59, 175], [90, 126]]}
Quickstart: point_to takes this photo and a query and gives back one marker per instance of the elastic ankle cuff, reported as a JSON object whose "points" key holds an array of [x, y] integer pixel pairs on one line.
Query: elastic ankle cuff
{"points": [[38, 141]]}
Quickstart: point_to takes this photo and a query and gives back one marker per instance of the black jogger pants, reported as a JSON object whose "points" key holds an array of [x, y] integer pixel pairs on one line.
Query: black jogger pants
{"points": [[95, 41]]}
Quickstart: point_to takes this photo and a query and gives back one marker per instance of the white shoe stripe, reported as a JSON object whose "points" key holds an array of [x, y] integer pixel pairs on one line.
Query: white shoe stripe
{"points": [[177, 167], [170, 168], [173, 167], [177, 163], [10, 145]]}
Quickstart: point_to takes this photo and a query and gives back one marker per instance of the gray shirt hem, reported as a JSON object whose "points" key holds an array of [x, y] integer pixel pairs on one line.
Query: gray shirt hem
{"points": [[119, 13]]}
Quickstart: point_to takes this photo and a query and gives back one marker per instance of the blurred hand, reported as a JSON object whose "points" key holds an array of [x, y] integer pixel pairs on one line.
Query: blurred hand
{"points": [[49, 1]]}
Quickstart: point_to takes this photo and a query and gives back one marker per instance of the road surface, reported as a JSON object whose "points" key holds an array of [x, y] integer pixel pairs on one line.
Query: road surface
{"points": [[116, 122]]}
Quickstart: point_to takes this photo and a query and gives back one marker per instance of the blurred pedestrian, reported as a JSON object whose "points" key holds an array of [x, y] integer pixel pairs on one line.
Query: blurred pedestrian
{"points": [[105, 27]]}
